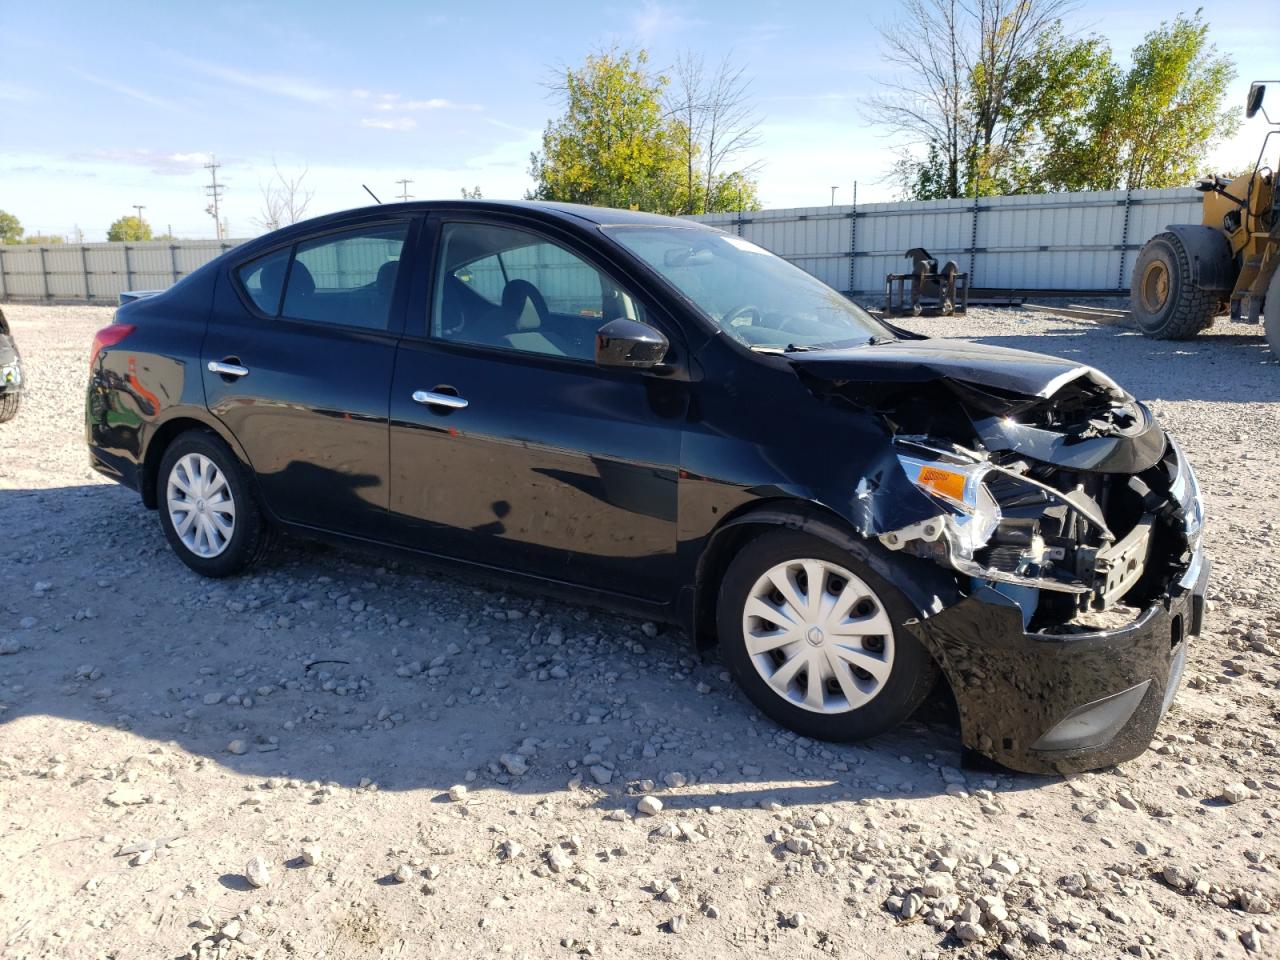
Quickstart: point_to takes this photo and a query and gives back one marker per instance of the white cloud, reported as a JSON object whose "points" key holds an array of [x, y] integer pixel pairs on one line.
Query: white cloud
{"points": [[294, 88], [122, 89], [389, 123], [159, 163], [389, 102], [655, 21]]}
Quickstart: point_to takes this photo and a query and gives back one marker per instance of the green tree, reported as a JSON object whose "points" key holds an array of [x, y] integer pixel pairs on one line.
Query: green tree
{"points": [[10, 228], [129, 229], [1154, 124], [43, 239], [472, 194], [613, 145]]}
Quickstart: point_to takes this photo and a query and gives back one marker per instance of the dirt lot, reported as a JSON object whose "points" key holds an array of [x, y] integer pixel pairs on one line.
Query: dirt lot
{"points": [[160, 733]]}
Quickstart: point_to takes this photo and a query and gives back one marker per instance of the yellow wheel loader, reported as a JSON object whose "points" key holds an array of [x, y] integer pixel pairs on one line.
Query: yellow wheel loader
{"points": [[1189, 274]]}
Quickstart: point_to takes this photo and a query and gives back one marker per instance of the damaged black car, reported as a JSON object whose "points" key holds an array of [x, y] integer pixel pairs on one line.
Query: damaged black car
{"points": [[664, 418]]}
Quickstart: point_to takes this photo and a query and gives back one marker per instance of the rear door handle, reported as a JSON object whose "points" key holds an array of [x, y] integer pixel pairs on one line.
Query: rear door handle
{"points": [[438, 399], [228, 369]]}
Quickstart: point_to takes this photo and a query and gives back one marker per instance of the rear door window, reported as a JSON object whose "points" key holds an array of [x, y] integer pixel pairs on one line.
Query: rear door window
{"points": [[346, 279]]}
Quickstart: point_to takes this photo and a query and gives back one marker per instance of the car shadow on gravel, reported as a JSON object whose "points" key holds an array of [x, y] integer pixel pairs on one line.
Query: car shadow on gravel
{"points": [[341, 667], [1218, 367]]}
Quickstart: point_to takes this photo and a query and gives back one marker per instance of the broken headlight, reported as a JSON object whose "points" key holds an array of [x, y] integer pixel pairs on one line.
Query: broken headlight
{"points": [[975, 513], [1185, 489], [10, 376]]}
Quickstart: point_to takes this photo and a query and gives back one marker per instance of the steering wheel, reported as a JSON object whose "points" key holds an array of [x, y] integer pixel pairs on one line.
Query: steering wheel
{"points": [[741, 311]]}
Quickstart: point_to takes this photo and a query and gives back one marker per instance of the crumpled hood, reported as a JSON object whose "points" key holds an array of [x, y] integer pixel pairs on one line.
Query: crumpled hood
{"points": [[1056, 411], [883, 365]]}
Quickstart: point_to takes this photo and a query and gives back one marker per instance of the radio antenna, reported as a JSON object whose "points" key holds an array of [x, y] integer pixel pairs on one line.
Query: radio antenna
{"points": [[371, 193]]}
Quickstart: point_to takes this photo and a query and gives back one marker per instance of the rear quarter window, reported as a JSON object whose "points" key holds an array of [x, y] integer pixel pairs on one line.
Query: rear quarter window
{"points": [[263, 280]]}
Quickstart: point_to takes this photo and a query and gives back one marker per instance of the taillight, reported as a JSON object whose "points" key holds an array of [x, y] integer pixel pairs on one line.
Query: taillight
{"points": [[108, 337]]}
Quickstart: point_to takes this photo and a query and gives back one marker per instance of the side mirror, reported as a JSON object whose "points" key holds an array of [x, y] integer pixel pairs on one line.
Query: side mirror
{"points": [[628, 343], [1254, 102]]}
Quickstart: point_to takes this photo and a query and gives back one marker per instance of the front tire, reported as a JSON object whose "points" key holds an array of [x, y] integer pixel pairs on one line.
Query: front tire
{"points": [[815, 639], [207, 507], [1271, 315], [1165, 303], [9, 404]]}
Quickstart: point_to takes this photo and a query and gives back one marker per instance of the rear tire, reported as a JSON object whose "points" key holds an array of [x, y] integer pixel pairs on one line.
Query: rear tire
{"points": [[9, 404], [886, 673], [1165, 303], [207, 506], [1271, 314]]}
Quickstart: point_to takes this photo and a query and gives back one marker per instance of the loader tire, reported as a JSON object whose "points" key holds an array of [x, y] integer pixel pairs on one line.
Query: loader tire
{"points": [[1271, 315], [1164, 301]]}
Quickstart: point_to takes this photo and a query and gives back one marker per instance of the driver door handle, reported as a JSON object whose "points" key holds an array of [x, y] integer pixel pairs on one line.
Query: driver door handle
{"points": [[438, 399], [227, 369]]}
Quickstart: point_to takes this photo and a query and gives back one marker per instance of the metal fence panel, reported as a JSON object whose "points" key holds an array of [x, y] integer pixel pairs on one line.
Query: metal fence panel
{"points": [[1064, 241]]}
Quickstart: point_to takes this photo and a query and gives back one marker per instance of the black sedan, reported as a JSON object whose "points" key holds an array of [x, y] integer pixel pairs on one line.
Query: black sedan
{"points": [[669, 420]]}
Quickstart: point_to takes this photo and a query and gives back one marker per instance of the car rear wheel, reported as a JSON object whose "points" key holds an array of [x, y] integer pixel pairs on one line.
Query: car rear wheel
{"points": [[814, 637], [207, 507]]}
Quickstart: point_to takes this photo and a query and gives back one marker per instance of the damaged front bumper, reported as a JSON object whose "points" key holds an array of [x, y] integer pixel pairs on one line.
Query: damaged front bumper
{"points": [[1063, 703]]}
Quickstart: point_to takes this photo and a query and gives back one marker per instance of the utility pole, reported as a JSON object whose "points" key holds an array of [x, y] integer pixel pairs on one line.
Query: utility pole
{"points": [[404, 189], [139, 207], [833, 195], [214, 191]]}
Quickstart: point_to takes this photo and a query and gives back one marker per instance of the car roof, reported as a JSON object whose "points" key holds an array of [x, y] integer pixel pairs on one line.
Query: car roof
{"points": [[601, 216]]}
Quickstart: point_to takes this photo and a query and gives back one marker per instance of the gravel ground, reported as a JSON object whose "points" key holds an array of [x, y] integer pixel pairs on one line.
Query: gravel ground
{"points": [[346, 757]]}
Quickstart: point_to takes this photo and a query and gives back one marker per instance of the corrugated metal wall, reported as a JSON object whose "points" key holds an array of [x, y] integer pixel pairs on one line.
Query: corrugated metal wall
{"points": [[99, 271], [1062, 241]]}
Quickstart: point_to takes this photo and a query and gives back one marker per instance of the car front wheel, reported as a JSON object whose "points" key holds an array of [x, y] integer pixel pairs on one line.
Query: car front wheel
{"points": [[207, 508], [814, 637]]}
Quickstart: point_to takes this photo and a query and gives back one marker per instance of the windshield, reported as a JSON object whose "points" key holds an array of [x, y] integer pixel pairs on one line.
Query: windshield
{"points": [[757, 297]]}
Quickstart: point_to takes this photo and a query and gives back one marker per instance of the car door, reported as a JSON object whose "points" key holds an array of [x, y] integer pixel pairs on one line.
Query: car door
{"points": [[509, 446], [297, 362]]}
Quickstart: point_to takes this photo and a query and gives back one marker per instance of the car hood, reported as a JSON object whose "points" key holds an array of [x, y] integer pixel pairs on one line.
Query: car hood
{"points": [[1053, 410], [883, 365]]}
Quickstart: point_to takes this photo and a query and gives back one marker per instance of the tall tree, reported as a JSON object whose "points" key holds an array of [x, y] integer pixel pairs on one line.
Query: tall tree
{"points": [[629, 137], [129, 229], [10, 228], [715, 122], [612, 146], [1153, 124], [285, 199]]}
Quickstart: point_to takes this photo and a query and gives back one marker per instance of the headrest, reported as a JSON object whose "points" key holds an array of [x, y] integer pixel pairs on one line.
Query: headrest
{"points": [[301, 283], [387, 277], [523, 302]]}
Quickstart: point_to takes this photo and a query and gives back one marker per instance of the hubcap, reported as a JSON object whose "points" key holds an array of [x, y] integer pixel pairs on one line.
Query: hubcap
{"points": [[1155, 286], [818, 635], [201, 507]]}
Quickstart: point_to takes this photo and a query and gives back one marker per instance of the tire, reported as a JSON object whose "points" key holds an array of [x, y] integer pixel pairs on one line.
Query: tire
{"points": [[1270, 315], [212, 553], [9, 404], [881, 703], [1165, 303]]}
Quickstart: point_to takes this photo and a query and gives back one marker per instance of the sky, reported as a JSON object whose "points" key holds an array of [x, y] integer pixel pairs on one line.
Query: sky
{"points": [[103, 106]]}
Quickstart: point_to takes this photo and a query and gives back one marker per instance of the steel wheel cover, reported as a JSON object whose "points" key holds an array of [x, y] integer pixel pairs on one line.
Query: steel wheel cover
{"points": [[201, 507], [818, 636]]}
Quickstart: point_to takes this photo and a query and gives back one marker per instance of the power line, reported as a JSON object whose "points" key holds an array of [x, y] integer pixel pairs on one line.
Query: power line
{"points": [[404, 189], [214, 190]]}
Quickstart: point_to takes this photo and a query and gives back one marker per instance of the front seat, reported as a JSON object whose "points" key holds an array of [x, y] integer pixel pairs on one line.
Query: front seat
{"points": [[524, 312]]}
